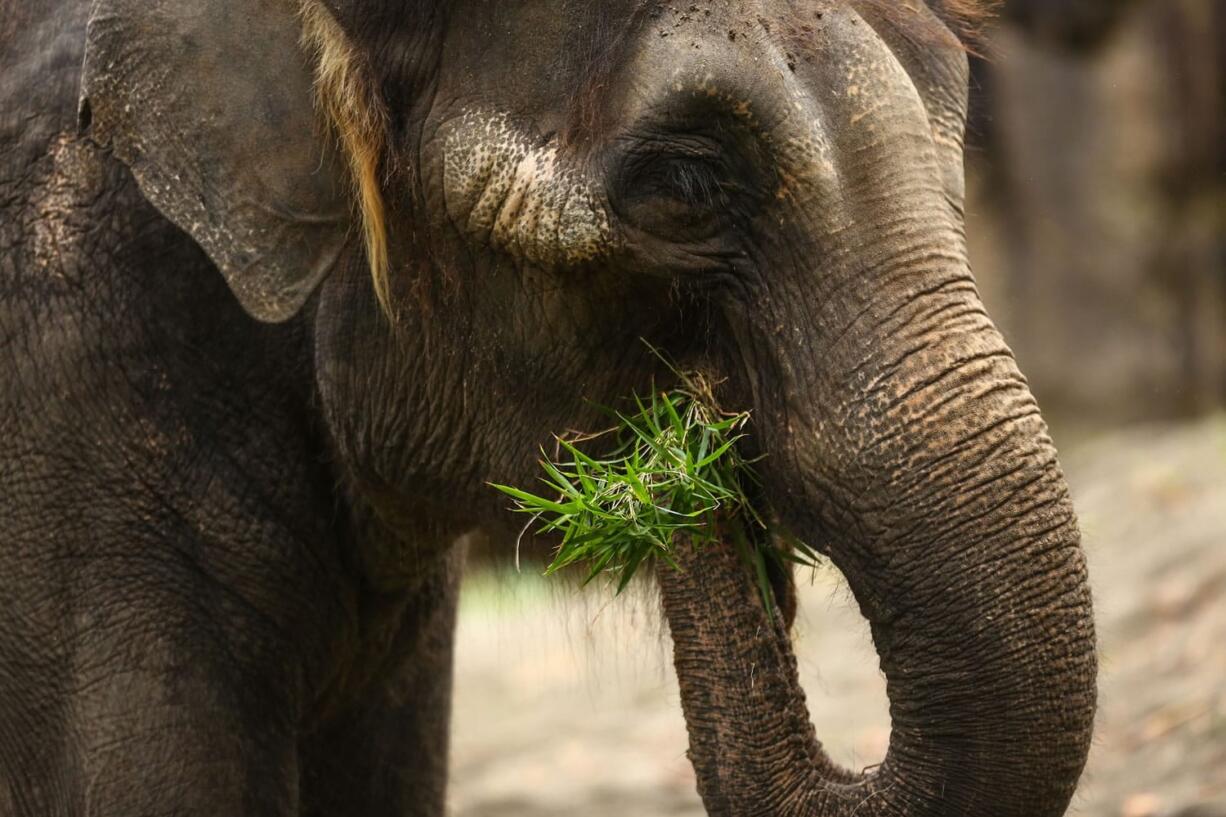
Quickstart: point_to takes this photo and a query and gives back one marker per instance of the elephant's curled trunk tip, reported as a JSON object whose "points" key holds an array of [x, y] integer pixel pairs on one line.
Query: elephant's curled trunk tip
{"points": [[990, 716]]}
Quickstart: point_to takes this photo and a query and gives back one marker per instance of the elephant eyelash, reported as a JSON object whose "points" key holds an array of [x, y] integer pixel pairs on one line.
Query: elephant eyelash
{"points": [[693, 182]]}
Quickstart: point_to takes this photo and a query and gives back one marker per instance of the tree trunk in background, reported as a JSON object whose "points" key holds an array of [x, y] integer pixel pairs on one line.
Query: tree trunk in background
{"points": [[1099, 214], [1194, 35]]}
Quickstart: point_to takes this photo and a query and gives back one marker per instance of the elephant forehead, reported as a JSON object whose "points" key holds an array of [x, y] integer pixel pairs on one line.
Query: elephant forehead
{"points": [[520, 197]]}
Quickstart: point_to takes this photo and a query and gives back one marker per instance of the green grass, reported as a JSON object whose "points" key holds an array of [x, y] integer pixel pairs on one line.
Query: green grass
{"points": [[675, 477]]}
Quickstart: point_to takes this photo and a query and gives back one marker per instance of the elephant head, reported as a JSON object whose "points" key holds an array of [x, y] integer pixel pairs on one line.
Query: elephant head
{"points": [[479, 207]]}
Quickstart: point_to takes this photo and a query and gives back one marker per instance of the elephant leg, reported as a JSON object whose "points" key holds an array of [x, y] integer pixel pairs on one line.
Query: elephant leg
{"points": [[384, 752], [169, 734]]}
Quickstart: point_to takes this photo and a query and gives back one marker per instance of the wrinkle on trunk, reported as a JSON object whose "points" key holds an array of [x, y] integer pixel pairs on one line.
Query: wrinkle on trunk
{"points": [[991, 688]]}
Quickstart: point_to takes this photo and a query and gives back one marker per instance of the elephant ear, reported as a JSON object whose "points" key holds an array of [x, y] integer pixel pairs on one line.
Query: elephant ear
{"points": [[210, 103]]}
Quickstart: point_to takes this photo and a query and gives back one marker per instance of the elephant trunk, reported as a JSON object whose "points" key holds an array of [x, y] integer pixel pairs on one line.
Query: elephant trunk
{"points": [[953, 526]]}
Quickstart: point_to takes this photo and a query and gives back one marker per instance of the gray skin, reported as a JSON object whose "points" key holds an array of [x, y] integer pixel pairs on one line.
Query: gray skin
{"points": [[233, 485]]}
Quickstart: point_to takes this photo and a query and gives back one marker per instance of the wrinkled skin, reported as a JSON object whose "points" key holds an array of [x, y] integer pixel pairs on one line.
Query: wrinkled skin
{"points": [[233, 484]]}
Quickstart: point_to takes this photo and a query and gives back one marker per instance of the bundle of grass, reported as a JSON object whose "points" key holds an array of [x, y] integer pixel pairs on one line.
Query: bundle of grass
{"points": [[674, 478]]}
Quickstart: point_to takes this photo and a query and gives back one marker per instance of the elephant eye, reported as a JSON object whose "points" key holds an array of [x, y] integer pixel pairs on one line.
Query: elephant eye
{"points": [[679, 194], [690, 181], [689, 190]]}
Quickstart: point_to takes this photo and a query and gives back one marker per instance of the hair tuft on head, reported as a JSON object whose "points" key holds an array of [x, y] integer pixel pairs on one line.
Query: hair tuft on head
{"points": [[349, 103], [968, 18]]}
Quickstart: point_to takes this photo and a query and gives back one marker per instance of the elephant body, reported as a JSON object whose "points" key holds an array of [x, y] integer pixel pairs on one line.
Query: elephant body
{"points": [[286, 283], [186, 629]]}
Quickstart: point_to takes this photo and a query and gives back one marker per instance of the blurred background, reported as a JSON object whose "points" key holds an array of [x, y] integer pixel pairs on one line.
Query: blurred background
{"points": [[1097, 218]]}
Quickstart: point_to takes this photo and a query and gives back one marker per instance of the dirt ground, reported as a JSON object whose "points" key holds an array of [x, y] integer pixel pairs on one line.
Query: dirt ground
{"points": [[566, 704]]}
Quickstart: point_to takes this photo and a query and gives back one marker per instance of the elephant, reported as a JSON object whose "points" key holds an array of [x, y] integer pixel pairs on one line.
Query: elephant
{"points": [[286, 284]]}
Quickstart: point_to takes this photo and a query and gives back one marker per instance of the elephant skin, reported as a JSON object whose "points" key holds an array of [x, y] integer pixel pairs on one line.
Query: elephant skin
{"points": [[286, 283]]}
